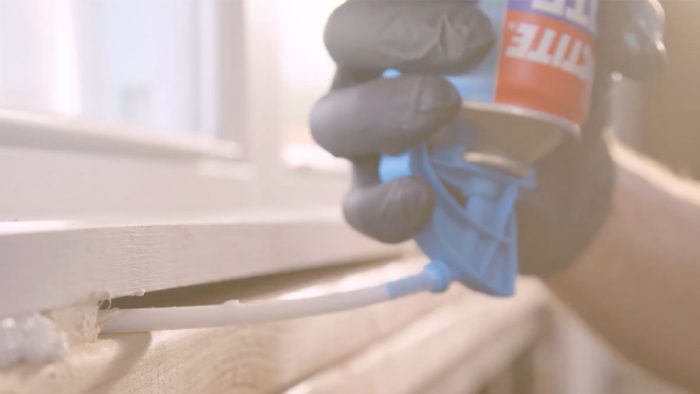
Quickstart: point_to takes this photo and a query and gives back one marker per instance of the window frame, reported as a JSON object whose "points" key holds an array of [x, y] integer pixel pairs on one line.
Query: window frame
{"points": [[79, 196]]}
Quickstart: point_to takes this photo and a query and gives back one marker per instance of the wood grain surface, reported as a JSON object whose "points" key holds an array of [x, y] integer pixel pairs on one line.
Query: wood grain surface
{"points": [[412, 339]]}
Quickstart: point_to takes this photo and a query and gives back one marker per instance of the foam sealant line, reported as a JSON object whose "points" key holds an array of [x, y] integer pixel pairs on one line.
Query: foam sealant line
{"points": [[434, 277]]}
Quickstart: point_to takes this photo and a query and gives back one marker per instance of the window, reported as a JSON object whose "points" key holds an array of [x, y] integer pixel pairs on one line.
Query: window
{"points": [[146, 145], [128, 62]]}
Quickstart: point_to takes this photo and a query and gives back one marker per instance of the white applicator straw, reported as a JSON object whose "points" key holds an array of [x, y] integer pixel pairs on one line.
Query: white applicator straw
{"points": [[434, 277]]}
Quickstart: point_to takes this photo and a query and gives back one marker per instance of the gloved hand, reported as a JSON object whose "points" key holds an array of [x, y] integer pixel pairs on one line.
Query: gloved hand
{"points": [[365, 116]]}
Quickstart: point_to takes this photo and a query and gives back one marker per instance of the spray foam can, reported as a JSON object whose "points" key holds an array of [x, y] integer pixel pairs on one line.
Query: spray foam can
{"points": [[534, 87]]}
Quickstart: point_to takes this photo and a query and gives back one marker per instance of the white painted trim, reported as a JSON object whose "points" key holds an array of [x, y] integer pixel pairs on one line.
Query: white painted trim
{"points": [[43, 131], [48, 264], [225, 79], [261, 66]]}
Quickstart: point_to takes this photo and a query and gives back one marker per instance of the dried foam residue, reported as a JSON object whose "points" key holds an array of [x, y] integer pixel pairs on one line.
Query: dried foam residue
{"points": [[41, 338], [31, 338]]}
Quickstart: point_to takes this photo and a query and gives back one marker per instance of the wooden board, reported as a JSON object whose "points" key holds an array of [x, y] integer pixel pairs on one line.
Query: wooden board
{"points": [[456, 348], [276, 356], [257, 358]]}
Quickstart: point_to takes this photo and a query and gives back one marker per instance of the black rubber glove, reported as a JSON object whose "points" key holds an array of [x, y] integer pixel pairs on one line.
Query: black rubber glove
{"points": [[365, 116]]}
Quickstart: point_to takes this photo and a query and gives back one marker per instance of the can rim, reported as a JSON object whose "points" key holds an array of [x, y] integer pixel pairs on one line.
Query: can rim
{"points": [[571, 127]]}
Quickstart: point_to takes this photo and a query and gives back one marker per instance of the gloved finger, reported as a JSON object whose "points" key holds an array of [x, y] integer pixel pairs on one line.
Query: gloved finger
{"points": [[383, 116], [412, 36], [631, 37], [362, 119], [389, 212]]}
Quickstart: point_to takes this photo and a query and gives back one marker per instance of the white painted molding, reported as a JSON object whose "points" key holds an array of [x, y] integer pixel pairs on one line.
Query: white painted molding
{"points": [[45, 185], [52, 132], [52, 264]]}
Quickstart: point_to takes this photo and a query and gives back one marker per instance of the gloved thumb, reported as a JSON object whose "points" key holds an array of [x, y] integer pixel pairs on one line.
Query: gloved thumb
{"points": [[632, 37]]}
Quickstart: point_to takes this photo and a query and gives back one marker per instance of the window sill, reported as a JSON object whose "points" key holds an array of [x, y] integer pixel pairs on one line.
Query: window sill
{"points": [[52, 132], [58, 263]]}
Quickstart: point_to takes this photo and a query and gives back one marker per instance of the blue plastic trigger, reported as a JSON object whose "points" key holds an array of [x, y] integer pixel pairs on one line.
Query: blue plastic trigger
{"points": [[472, 231]]}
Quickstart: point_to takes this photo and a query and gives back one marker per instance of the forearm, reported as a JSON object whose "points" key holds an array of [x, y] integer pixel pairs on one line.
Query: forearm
{"points": [[638, 284]]}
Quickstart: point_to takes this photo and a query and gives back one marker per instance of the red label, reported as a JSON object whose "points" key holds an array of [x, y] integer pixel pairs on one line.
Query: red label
{"points": [[546, 64]]}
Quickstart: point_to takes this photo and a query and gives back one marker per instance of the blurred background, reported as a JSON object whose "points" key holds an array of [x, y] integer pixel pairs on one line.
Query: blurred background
{"points": [[167, 67], [178, 68], [661, 117]]}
